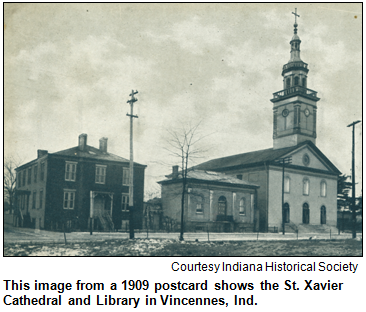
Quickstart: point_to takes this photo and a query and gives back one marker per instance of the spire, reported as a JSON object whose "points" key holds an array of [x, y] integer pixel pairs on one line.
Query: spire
{"points": [[295, 42]]}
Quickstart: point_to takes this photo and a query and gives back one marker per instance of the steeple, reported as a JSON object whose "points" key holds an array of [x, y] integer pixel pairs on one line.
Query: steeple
{"points": [[294, 108], [295, 46]]}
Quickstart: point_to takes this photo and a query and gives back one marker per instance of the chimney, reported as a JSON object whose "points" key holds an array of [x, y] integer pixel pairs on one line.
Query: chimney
{"points": [[175, 172], [103, 145], [239, 176], [82, 141], [41, 153]]}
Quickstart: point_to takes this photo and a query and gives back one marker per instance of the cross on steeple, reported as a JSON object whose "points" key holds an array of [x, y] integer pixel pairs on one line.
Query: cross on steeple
{"points": [[296, 15]]}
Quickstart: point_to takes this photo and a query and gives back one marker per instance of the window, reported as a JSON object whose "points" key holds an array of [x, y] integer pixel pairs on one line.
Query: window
{"points": [[125, 202], [288, 83], [222, 206], [42, 170], [287, 185], [35, 171], [242, 208], [306, 160], [40, 199], [100, 172], [126, 176], [34, 200], [23, 175], [296, 82], [306, 186], [69, 199], [304, 82], [199, 206], [70, 171], [323, 189], [29, 175], [19, 181]]}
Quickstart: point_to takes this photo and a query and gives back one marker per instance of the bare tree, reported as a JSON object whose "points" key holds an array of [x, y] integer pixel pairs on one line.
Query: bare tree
{"points": [[183, 143], [10, 181]]}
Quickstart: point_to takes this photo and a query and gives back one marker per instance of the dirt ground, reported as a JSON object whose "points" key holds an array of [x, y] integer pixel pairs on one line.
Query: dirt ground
{"points": [[167, 247]]}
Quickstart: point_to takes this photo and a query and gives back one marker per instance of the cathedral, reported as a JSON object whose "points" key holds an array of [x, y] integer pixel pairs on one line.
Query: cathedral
{"points": [[292, 185]]}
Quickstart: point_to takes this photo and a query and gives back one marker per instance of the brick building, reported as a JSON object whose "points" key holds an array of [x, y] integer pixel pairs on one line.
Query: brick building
{"points": [[80, 186]]}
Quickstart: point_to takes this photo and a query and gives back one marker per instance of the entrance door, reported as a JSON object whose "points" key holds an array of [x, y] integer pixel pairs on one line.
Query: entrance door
{"points": [[99, 203], [323, 215], [222, 206], [286, 213], [305, 214]]}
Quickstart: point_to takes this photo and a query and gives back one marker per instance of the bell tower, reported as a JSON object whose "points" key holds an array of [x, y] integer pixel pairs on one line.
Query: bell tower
{"points": [[294, 108]]}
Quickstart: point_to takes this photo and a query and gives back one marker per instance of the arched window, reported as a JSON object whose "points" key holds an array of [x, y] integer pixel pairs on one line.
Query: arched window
{"points": [[222, 206], [304, 82], [288, 82], [323, 215], [305, 186], [199, 205], [296, 81], [242, 208], [287, 185], [286, 213], [323, 188], [305, 214]]}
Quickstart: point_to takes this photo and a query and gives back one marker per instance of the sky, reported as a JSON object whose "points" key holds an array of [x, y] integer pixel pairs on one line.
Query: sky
{"points": [[69, 69]]}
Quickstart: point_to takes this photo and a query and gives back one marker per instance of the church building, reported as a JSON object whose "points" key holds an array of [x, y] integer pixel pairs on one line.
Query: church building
{"points": [[297, 182]]}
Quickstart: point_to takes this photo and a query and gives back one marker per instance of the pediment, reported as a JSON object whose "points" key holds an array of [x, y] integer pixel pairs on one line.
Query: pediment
{"points": [[308, 157]]}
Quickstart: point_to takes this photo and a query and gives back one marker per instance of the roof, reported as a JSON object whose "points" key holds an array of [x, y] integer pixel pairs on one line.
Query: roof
{"points": [[209, 176], [250, 158], [259, 157], [90, 152]]}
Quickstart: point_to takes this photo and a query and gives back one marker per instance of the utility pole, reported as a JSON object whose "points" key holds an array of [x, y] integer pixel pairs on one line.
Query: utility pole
{"points": [[283, 161], [130, 200], [353, 178]]}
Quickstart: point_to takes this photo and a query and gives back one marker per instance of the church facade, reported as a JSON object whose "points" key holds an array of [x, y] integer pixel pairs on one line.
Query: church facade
{"points": [[298, 183]]}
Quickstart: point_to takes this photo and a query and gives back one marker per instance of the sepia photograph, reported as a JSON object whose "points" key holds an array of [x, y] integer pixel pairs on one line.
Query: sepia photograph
{"points": [[182, 129]]}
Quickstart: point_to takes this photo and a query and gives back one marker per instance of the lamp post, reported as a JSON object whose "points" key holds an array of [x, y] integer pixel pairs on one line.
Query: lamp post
{"points": [[353, 178]]}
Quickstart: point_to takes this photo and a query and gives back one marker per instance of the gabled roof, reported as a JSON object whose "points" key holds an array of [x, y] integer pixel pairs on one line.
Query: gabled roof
{"points": [[195, 175], [259, 157]]}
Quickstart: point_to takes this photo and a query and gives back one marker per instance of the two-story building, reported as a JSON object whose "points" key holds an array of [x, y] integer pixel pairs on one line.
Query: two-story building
{"points": [[81, 186]]}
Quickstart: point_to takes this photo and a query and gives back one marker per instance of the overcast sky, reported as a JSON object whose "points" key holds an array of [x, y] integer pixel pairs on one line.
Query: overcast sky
{"points": [[69, 69]]}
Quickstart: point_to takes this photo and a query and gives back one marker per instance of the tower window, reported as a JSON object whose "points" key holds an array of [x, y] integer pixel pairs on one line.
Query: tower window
{"points": [[304, 82], [288, 83], [296, 82]]}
